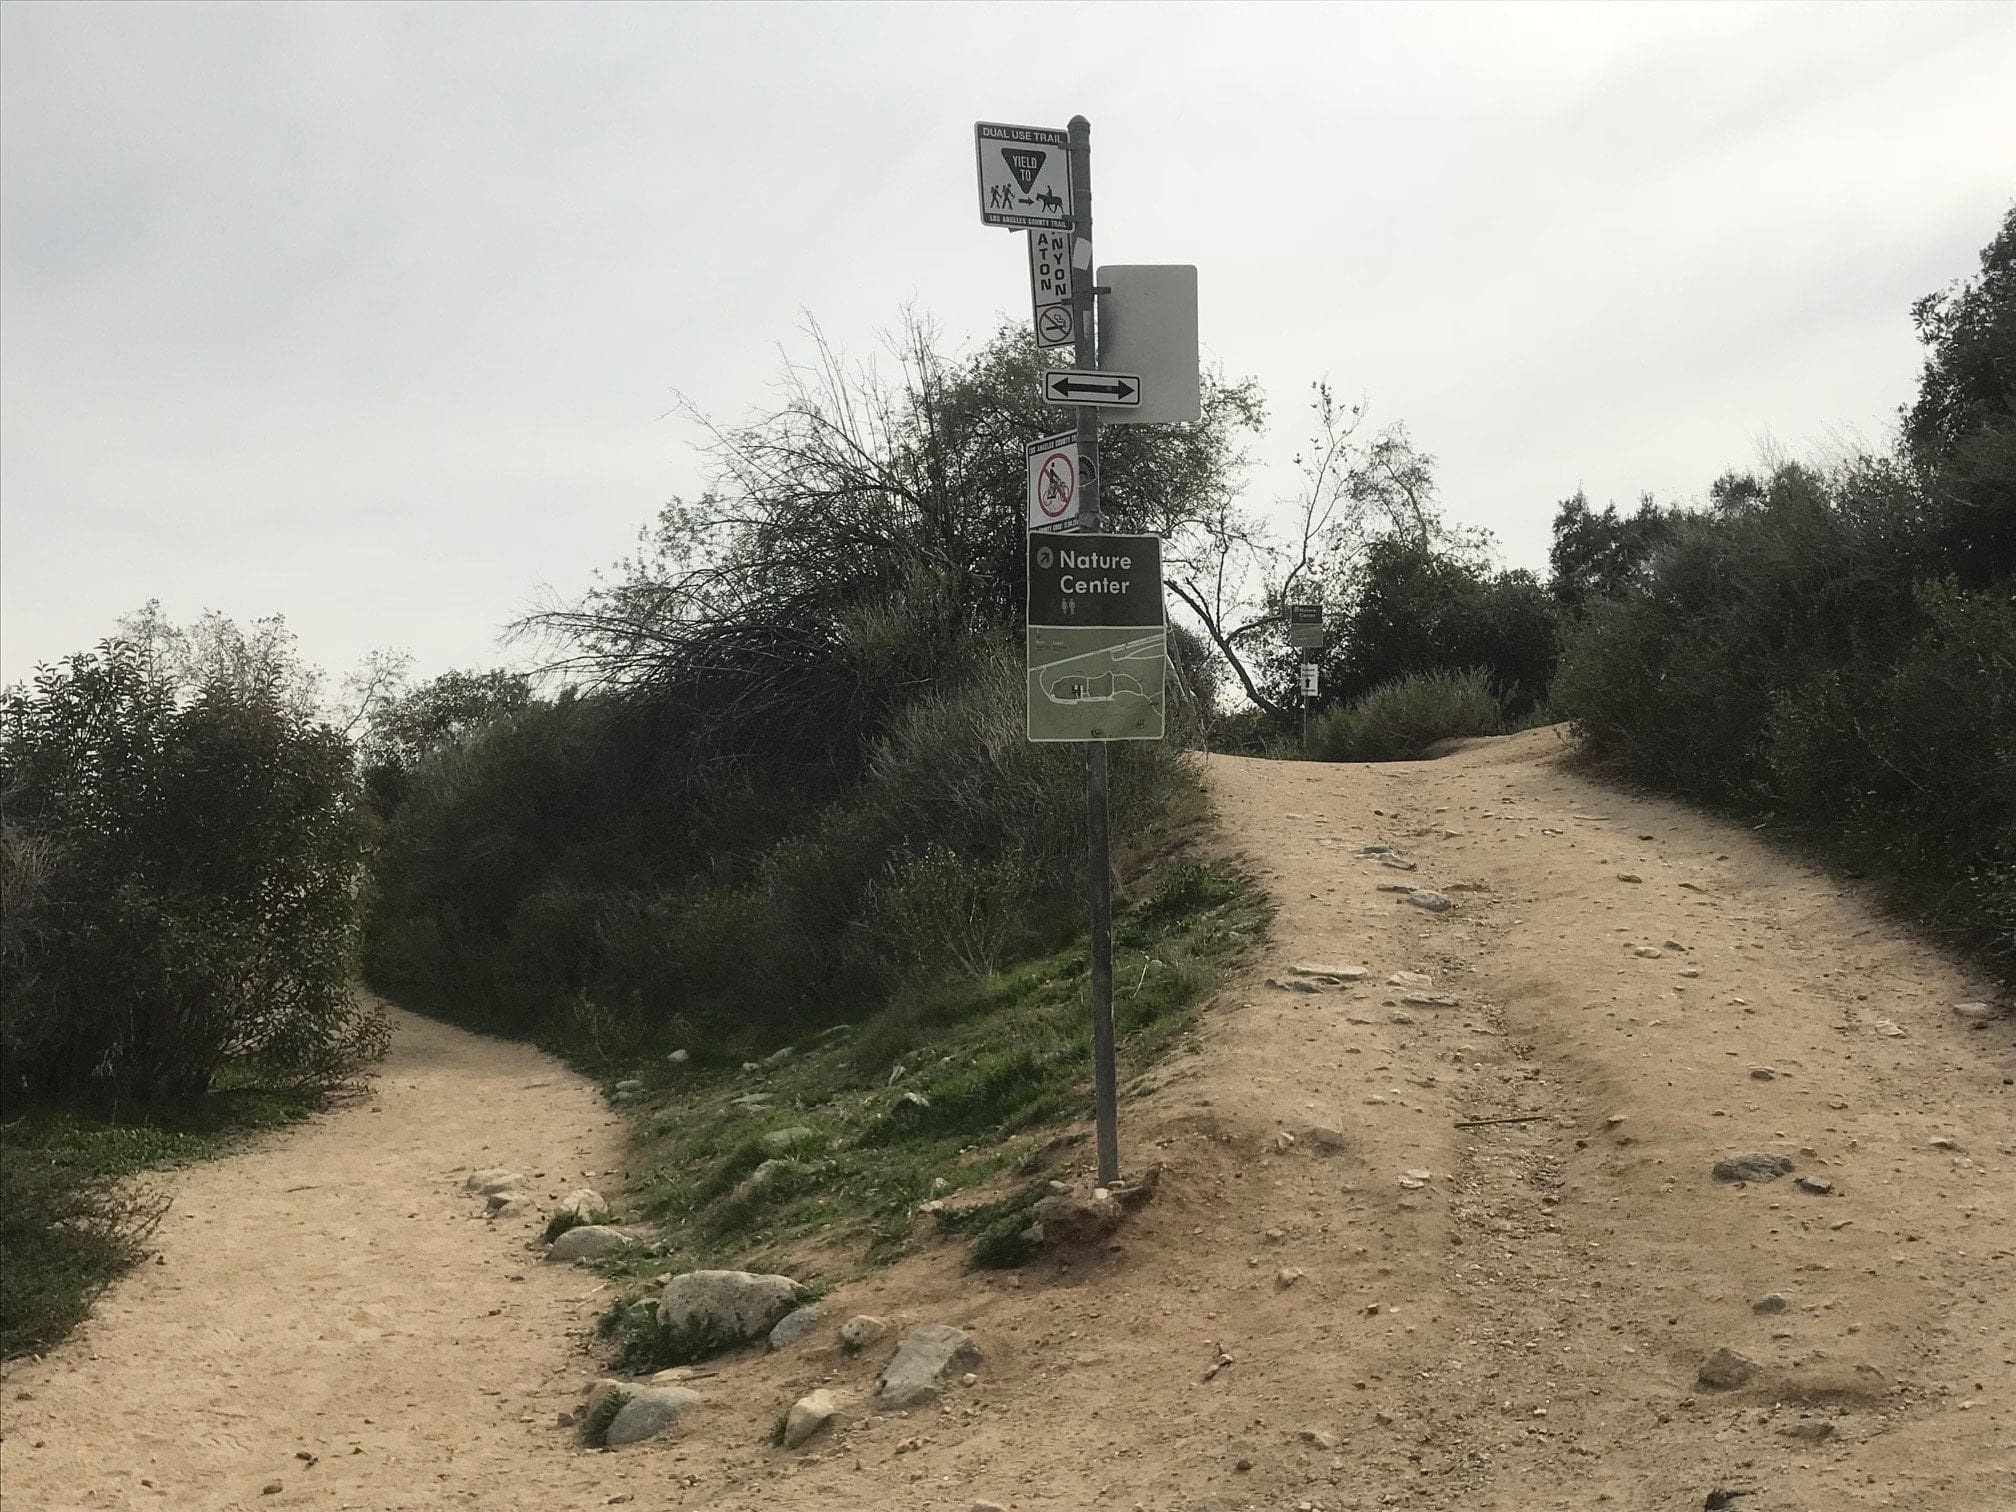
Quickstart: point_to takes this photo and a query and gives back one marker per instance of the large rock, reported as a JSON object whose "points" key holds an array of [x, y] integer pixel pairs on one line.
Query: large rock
{"points": [[809, 1415], [492, 1179], [590, 1241], [650, 1410], [729, 1305], [586, 1204], [1751, 1167], [923, 1361], [795, 1325]]}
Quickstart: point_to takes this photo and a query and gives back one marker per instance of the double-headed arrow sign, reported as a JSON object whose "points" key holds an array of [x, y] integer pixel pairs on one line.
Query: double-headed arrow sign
{"points": [[1078, 386]]}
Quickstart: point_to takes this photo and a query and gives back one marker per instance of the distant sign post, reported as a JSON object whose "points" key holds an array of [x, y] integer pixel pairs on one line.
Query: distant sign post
{"points": [[1098, 642], [1054, 497]]}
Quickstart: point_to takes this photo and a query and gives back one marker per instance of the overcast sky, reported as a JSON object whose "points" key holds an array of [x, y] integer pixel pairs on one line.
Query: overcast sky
{"points": [[372, 316]]}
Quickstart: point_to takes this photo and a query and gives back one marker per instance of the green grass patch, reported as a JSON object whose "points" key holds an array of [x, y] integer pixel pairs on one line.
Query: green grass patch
{"points": [[600, 1414], [71, 1222], [951, 1086]]}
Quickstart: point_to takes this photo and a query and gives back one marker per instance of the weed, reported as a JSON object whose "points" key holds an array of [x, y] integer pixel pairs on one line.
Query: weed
{"points": [[600, 1414]]}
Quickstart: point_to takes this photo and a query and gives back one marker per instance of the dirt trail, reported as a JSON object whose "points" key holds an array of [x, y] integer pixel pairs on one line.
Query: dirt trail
{"points": [[334, 1291], [1517, 1327]]}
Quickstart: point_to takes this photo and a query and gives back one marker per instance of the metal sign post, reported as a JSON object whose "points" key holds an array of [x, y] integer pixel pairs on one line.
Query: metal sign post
{"points": [[1105, 1075]]}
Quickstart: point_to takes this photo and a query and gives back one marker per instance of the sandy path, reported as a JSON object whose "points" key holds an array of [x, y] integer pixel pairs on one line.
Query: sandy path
{"points": [[1520, 1329], [332, 1290]]}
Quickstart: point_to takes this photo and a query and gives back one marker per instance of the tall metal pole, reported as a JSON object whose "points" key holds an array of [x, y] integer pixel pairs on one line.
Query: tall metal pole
{"points": [[1105, 1076]]}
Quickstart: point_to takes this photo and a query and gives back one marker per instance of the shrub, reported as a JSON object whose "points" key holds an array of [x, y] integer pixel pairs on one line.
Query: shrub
{"points": [[1400, 720], [186, 851], [65, 1234]]}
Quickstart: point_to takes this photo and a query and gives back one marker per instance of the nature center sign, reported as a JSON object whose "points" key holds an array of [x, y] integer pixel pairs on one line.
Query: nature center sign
{"points": [[1097, 639]]}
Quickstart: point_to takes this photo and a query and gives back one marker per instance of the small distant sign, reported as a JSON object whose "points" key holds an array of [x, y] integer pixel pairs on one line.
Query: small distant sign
{"points": [[1053, 481], [1025, 175], [1050, 288], [1305, 627], [1310, 680]]}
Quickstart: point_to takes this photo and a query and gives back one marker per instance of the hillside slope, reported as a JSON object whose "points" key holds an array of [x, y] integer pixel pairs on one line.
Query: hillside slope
{"points": [[1520, 1323]]}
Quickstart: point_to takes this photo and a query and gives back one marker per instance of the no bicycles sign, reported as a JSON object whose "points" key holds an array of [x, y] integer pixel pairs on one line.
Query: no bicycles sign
{"points": [[1053, 480]]}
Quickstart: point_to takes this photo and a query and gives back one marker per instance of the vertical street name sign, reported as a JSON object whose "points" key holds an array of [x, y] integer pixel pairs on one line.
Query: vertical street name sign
{"points": [[1097, 639], [1305, 627], [1054, 499], [1025, 175], [1050, 288]]}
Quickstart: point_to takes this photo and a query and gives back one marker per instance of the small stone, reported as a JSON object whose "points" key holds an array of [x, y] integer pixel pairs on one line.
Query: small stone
{"points": [[1944, 1143], [1811, 1431], [1887, 1028], [1725, 1370], [1647, 952], [1429, 899], [1819, 1186], [1751, 1167], [650, 1412], [1412, 979], [1613, 1121], [492, 1179], [271, 1488], [782, 1140], [1284, 1142], [1429, 1000], [1771, 1302], [1327, 1442], [1763, 1073], [794, 1326], [1975, 1013], [1286, 1277], [1629, 877], [862, 1332], [679, 1057], [988, 1506], [1330, 973], [589, 1241], [1397, 863], [811, 1414], [630, 1084], [1293, 984], [926, 1357]]}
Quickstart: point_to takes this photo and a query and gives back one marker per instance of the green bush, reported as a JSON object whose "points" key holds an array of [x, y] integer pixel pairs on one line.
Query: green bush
{"points": [[65, 1234], [1400, 720], [184, 863]]}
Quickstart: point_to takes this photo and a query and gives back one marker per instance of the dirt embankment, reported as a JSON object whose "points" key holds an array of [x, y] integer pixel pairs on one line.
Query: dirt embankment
{"points": [[1421, 1308]]}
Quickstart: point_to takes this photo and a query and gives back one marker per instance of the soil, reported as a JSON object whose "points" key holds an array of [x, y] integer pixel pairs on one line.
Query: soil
{"points": [[1520, 1323]]}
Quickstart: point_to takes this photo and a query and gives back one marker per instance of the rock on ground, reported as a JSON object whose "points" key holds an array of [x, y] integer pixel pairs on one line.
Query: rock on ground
{"points": [[862, 1332], [731, 1304], [586, 1204], [491, 1179], [650, 1411], [794, 1326], [1725, 1370], [1751, 1167], [809, 1415], [589, 1241], [923, 1361], [781, 1140]]}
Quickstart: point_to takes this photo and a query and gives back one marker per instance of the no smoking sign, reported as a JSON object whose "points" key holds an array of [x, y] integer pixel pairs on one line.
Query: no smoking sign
{"points": [[1053, 480], [1050, 288]]}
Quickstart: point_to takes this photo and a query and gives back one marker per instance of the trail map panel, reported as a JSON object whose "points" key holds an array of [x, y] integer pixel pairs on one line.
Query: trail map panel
{"points": [[1097, 639], [1305, 627], [1025, 175]]}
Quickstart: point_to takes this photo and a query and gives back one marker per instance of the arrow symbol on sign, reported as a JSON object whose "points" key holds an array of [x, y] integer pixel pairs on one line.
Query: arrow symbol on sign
{"points": [[1119, 388]]}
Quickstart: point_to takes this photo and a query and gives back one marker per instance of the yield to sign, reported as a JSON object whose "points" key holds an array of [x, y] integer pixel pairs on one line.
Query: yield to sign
{"points": [[1053, 480], [1080, 386], [1025, 175]]}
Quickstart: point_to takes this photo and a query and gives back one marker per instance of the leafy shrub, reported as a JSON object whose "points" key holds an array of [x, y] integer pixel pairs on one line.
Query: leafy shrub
{"points": [[1400, 720], [186, 853], [936, 911]]}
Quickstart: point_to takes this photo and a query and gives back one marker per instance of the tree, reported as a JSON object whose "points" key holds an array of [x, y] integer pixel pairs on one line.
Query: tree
{"points": [[1601, 554], [404, 726]]}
